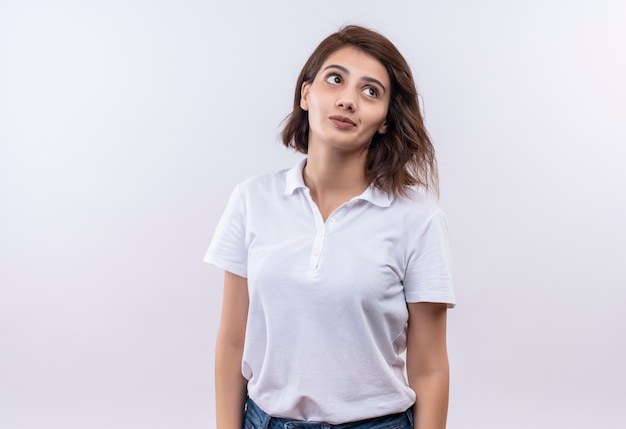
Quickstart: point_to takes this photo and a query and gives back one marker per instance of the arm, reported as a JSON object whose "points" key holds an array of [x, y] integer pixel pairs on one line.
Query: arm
{"points": [[230, 384], [427, 363]]}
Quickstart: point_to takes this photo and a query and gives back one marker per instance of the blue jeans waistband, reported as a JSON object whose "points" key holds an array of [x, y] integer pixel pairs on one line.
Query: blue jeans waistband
{"points": [[256, 418]]}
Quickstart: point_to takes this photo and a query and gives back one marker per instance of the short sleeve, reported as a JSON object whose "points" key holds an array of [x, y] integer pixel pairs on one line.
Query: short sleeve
{"points": [[428, 276], [228, 249]]}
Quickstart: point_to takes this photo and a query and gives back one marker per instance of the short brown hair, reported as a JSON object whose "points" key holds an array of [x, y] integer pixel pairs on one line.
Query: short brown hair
{"points": [[402, 157]]}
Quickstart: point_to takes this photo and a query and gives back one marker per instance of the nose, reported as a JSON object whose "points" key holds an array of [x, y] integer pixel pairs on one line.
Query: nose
{"points": [[347, 101]]}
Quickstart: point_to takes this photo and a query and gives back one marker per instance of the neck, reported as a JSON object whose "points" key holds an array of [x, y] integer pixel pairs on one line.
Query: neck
{"points": [[333, 172], [334, 178]]}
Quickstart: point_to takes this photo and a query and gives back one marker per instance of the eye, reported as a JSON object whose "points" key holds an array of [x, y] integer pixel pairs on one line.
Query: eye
{"points": [[333, 79], [370, 91]]}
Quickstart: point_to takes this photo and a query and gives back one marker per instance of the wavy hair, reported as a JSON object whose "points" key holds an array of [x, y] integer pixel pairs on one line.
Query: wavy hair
{"points": [[403, 156]]}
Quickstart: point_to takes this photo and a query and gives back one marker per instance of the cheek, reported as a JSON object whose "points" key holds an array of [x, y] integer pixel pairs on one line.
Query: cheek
{"points": [[313, 118], [314, 108], [378, 118]]}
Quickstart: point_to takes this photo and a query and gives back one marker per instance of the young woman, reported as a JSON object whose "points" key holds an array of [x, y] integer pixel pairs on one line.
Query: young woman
{"points": [[336, 267]]}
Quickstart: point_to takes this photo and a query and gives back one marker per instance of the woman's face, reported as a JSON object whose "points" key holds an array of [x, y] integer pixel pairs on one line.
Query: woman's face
{"points": [[347, 101]]}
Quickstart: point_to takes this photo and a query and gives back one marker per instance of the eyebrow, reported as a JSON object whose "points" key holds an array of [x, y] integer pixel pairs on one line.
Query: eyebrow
{"points": [[366, 78]]}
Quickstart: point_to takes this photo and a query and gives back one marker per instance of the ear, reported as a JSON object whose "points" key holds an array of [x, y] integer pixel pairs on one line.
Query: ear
{"points": [[383, 128], [304, 96]]}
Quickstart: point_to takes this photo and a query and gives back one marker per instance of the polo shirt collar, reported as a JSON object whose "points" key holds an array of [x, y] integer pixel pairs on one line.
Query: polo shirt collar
{"points": [[294, 180], [375, 196]]}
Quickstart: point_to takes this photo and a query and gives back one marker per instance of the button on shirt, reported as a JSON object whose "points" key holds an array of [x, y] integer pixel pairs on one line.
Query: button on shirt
{"points": [[327, 316]]}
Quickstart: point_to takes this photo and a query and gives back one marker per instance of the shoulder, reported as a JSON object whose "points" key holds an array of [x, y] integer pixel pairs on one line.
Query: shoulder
{"points": [[276, 184], [263, 184], [418, 204]]}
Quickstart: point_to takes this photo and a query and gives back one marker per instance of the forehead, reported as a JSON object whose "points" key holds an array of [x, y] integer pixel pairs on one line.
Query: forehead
{"points": [[358, 63]]}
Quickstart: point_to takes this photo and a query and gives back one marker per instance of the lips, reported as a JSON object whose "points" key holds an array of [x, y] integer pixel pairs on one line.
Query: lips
{"points": [[342, 121]]}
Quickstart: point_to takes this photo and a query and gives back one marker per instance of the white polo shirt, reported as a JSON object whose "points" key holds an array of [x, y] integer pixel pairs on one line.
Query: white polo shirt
{"points": [[327, 318]]}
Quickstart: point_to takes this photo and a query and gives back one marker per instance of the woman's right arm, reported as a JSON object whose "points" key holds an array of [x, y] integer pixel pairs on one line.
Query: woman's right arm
{"points": [[230, 384]]}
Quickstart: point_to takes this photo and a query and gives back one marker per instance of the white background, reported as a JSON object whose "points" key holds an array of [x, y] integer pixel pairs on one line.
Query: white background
{"points": [[124, 125]]}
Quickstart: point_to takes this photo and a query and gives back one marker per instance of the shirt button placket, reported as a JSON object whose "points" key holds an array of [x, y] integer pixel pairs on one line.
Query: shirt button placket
{"points": [[318, 245]]}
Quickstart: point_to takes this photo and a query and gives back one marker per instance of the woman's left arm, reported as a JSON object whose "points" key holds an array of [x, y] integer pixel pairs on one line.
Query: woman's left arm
{"points": [[427, 363]]}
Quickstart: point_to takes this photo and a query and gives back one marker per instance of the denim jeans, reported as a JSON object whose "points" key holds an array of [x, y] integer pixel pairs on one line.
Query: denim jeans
{"points": [[256, 418]]}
